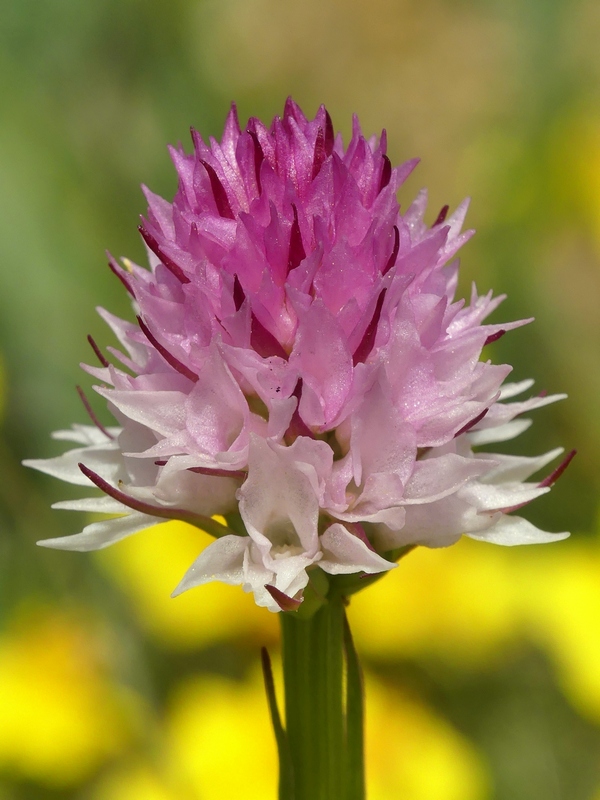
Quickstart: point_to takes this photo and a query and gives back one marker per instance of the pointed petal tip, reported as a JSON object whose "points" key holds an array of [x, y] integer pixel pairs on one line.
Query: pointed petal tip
{"points": [[512, 531], [49, 543], [183, 585], [66, 543], [551, 479], [283, 600]]}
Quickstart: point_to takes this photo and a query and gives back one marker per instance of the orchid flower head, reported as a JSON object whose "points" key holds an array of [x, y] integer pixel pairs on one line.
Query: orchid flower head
{"points": [[299, 365]]}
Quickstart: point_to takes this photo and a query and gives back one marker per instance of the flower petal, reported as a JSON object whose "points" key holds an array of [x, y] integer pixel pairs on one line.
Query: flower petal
{"points": [[344, 553], [101, 534], [510, 530]]}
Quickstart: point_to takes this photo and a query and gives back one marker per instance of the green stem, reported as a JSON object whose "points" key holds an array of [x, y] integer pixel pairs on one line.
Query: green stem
{"points": [[313, 671]]}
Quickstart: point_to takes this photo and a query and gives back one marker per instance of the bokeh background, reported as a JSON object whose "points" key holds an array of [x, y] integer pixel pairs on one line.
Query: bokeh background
{"points": [[482, 663]]}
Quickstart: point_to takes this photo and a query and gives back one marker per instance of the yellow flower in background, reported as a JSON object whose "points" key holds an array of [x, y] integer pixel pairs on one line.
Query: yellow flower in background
{"points": [[137, 781], [214, 613], [60, 716], [456, 603], [220, 739], [574, 154], [412, 753], [470, 605], [464, 604], [559, 599]]}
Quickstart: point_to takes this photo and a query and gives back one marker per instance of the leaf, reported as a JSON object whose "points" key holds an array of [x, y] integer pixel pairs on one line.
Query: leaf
{"points": [[286, 770], [355, 720]]}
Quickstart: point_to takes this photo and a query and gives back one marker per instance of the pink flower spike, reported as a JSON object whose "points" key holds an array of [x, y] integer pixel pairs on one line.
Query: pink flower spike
{"points": [[299, 362]]}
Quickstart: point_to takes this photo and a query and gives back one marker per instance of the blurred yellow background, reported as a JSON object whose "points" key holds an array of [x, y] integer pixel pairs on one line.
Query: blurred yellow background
{"points": [[482, 663]]}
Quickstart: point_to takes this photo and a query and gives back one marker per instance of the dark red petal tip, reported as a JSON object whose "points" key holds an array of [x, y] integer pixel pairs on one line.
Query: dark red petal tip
{"points": [[219, 193], [240, 474], [237, 474], [441, 216], [263, 342], [99, 354], [259, 157], [159, 253], [386, 172], [392, 259], [368, 341], [120, 273], [168, 357], [548, 481], [551, 479], [471, 423], [329, 135], [91, 414], [319, 155], [207, 524], [356, 529], [238, 293], [284, 602], [297, 426], [493, 337], [297, 253]]}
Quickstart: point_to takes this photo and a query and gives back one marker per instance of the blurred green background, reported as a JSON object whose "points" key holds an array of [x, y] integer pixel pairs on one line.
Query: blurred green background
{"points": [[483, 663]]}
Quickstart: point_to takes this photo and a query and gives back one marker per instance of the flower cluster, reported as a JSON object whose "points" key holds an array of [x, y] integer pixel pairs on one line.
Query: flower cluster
{"points": [[300, 367]]}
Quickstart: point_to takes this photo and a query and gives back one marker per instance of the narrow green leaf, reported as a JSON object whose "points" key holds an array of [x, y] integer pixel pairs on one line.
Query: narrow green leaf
{"points": [[286, 770], [355, 720]]}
